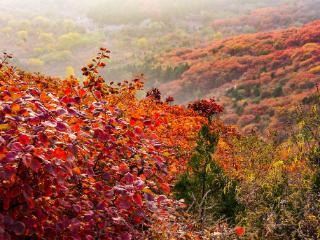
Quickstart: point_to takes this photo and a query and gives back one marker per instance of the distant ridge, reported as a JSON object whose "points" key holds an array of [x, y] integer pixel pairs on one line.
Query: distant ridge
{"points": [[253, 75]]}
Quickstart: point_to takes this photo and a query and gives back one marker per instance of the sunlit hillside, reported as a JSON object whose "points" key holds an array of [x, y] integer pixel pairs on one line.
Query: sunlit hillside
{"points": [[255, 76]]}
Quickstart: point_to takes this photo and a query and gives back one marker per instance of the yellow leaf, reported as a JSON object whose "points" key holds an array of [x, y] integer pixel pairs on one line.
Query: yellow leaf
{"points": [[4, 127], [147, 190], [278, 164], [166, 154], [208, 168]]}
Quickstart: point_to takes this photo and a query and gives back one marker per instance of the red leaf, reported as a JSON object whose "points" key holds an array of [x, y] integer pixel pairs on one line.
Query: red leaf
{"points": [[101, 64], [76, 128], [62, 127], [43, 138], [11, 156], [137, 219], [77, 208], [35, 164], [147, 123], [82, 93], [123, 168], [138, 199], [97, 94], [16, 191], [24, 139], [6, 203], [60, 153], [17, 147], [67, 92], [138, 130], [126, 236], [34, 92], [67, 100], [123, 203], [156, 115], [240, 231], [157, 123], [128, 178], [132, 121], [165, 187], [100, 134]]}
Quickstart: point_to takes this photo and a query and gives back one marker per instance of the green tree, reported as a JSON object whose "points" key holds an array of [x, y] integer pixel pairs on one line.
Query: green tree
{"points": [[46, 38], [217, 36], [22, 35], [142, 43], [277, 92], [210, 194]]}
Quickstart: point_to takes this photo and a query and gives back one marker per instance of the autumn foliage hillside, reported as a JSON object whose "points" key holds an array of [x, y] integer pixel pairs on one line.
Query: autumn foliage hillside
{"points": [[286, 15], [253, 75], [88, 161]]}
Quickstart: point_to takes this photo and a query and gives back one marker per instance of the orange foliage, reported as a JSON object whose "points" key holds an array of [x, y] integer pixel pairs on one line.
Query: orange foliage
{"points": [[89, 160]]}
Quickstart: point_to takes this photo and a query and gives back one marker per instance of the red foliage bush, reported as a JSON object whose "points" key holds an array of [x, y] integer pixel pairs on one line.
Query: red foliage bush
{"points": [[73, 165], [155, 94], [206, 108]]}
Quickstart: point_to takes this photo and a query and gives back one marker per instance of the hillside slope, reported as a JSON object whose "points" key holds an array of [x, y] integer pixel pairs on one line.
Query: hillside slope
{"points": [[253, 75], [294, 13]]}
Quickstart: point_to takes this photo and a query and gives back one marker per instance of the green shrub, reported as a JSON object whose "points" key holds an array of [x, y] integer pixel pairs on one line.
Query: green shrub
{"points": [[210, 194], [277, 92]]}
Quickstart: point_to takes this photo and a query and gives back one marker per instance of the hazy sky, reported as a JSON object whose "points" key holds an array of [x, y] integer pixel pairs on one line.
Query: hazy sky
{"points": [[72, 5], [129, 27]]}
